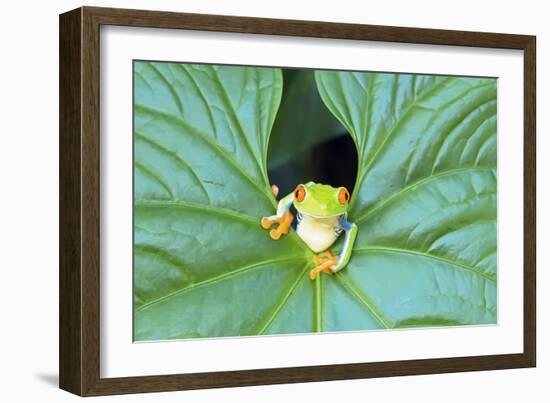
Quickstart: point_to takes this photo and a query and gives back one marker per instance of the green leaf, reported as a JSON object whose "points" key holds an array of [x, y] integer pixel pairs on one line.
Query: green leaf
{"points": [[203, 266], [302, 121], [424, 199]]}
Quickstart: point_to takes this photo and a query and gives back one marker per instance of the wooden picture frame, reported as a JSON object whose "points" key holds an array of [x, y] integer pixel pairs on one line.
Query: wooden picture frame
{"points": [[79, 346]]}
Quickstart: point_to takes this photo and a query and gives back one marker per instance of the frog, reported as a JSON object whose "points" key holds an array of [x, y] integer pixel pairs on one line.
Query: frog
{"points": [[321, 217]]}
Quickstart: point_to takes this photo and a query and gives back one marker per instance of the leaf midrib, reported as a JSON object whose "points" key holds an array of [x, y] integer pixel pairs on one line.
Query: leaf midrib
{"points": [[248, 219], [200, 207]]}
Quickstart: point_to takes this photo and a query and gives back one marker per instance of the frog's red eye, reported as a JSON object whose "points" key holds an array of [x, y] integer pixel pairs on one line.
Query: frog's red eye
{"points": [[300, 193], [343, 196]]}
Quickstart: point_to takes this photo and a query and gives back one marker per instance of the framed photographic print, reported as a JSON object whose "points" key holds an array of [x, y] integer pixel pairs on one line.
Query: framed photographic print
{"points": [[250, 201]]}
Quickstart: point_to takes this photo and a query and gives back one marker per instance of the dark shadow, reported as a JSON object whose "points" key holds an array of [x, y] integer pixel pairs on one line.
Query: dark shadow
{"points": [[307, 142], [333, 162], [49, 379]]}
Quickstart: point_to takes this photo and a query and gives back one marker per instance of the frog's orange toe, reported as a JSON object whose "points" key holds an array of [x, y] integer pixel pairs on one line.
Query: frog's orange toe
{"points": [[313, 274], [325, 268], [266, 223], [328, 254], [275, 234], [323, 264], [283, 226], [286, 223]]}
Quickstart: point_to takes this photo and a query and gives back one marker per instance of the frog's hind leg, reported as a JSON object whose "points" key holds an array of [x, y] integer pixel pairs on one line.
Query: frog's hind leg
{"points": [[323, 264]]}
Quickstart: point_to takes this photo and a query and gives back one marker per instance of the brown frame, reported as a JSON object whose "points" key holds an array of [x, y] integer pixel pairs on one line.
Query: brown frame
{"points": [[79, 200]]}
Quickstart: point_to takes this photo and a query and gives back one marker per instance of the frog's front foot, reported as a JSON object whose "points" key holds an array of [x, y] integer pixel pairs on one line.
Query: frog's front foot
{"points": [[283, 227], [324, 264]]}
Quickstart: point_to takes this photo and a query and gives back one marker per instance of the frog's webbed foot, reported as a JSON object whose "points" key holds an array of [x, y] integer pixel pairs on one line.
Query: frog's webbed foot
{"points": [[284, 222], [323, 264], [283, 227]]}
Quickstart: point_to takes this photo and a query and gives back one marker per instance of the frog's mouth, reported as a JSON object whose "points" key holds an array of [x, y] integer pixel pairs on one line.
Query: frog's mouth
{"points": [[321, 216]]}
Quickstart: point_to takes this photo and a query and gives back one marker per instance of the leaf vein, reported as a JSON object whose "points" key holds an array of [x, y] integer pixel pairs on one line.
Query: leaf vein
{"points": [[221, 277], [394, 127], [200, 207], [156, 177], [283, 302], [410, 187], [168, 86], [215, 147], [367, 249], [202, 96], [365, 301], [237, 121], [177, 158]]}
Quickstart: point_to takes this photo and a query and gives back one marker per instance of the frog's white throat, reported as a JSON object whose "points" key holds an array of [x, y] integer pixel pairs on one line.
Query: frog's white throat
{"points": [[319, 233]]}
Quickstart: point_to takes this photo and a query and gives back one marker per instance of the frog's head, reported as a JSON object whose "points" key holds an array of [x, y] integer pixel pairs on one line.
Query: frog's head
{"points": [[318, 200]]}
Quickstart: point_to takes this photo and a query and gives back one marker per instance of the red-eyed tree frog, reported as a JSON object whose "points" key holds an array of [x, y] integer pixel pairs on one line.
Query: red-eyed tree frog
{"points": [[321, 218]]}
